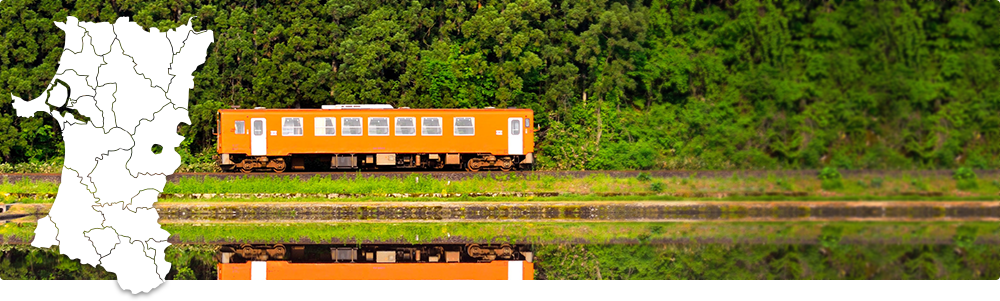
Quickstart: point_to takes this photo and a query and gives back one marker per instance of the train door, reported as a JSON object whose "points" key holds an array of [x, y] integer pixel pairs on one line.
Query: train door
{"points": [[515, 137], [258, 137]]}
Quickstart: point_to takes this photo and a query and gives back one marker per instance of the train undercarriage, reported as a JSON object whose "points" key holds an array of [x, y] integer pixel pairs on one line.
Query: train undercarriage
{"points": [[469, 162], [378, 253]]}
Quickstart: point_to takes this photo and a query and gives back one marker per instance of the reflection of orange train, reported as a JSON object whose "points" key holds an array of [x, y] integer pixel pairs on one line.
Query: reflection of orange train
{"points": [[375, 136], [375, 262], [284, 271]]}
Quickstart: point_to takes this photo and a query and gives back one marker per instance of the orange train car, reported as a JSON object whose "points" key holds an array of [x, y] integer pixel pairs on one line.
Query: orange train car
{"points": [[374, 137], [283, 270]]}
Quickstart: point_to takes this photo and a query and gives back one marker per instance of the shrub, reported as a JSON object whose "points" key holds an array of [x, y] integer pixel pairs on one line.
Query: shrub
{"points": [[964, 173], [875, 183], [829, 173], [830, 179], [965, 236], [658, 187], [830, 236], [966, 179], [643, 177]]}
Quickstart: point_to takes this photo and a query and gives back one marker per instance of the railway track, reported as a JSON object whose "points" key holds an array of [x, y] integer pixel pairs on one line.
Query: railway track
{"points": [[460, 175]]}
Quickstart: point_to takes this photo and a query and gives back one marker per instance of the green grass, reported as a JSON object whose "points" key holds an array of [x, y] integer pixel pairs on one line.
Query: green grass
{"points": [[903, 187], [365, 185], [28, 186]]}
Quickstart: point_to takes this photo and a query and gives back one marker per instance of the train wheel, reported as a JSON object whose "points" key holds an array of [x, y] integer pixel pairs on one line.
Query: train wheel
{"points": [[472, 165], [473, 250], [507, 165], [279, 252], [245, 168], [506, 251], [279, 165], [246, 251]]}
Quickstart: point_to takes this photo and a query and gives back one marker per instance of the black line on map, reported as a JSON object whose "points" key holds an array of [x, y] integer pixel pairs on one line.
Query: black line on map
{"points": [[170, 69], [132, 200], [103, 62], [114, 117], [98, 159], [92, 37], [106, 128], [134, 64], [85, 233], [169, 101], [155, 252], [81, 36]]}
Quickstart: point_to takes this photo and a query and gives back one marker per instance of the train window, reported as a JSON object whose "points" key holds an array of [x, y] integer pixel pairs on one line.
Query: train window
{"points": [[258, 127], [240, 127], [515, 127], [291, 126], [350, 126], [527, 123], [406, 126], [378, 126], [326, 126], [430, 126], [465, 126]]}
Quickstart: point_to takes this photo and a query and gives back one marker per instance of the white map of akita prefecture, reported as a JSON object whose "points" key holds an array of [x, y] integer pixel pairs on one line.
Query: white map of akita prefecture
{"points": [[133, 86]]}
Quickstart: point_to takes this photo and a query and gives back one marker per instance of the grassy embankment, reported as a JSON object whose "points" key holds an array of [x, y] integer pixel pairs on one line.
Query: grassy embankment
{"points": [[596, 187]]}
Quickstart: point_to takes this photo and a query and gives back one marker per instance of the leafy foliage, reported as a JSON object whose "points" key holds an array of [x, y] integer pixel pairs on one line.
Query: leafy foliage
{"points": [[966, 179], [830, 179], [614, 84], [657, 187]]}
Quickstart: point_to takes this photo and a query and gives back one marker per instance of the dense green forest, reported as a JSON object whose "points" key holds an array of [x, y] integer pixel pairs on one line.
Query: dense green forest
{"points": [[614, 84]]}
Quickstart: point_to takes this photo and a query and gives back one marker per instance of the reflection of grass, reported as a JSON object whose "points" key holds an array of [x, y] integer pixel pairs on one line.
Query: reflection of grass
{"points": [[17, 232], [767, 261], [24, 262], [555, 232]]}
